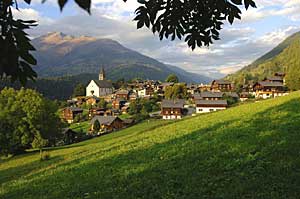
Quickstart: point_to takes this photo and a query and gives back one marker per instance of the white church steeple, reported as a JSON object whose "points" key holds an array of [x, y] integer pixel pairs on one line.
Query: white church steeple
{"points": [[102, 74]]}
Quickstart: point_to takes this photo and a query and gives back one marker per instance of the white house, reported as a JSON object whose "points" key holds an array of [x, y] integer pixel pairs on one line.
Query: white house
{"points": [[99, 88], [206, 106]]}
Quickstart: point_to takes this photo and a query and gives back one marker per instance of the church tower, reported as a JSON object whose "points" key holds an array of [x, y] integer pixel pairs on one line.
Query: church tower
{"points": [[102, 74]]}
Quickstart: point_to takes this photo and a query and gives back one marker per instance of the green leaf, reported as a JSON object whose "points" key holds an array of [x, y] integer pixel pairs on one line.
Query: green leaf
{"points": [[84, 4], [62, 3]]}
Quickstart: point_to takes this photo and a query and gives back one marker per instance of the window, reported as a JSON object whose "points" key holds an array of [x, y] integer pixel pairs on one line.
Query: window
{"points": [[200, 110], [211, 110]]}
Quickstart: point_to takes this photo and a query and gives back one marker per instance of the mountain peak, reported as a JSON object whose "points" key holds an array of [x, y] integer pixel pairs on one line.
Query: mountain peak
{"points": [[56, 38]]}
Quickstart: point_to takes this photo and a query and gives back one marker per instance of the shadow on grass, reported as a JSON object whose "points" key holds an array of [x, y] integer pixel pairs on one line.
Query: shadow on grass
{"points": [[258, 159]]}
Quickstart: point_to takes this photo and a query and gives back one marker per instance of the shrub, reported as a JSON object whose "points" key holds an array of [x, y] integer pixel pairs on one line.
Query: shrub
{"points": [[45, 156]]}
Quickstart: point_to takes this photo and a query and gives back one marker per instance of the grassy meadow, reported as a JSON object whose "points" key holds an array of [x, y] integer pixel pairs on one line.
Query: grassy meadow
{"points": [[249, 151]]}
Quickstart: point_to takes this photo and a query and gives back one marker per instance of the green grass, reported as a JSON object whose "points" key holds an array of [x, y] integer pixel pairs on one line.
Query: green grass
{"points": [[81, 126], [250, 151]]}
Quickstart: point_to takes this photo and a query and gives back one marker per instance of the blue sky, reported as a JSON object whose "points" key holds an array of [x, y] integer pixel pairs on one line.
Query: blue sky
{"points": [[259, 31]]}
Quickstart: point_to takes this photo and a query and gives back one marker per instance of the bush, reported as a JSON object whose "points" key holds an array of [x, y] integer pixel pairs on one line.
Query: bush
{"points": [[45, 156]]}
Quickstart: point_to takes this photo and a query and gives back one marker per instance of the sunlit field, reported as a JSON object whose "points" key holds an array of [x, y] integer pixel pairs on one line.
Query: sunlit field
{"points": [[249, 151]]}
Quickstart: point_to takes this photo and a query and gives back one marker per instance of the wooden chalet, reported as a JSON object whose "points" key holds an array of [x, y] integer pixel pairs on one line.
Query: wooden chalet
{"points": [[107, 123], [99, 111], [221, 86], [268, 89], [92, 100], [133, 96], [172, 109], [206, 106], [69, 113], [274, 79], [122, 94], [117, 104], [244, 96], [206, 95]]}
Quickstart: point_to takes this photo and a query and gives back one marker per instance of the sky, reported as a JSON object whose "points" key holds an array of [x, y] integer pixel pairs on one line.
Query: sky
{"points": [[259, 31]]}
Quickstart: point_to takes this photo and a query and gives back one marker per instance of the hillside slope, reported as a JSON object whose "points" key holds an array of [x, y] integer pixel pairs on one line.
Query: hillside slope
{"points": [[250, 151], [283, 58], [59, 54]]}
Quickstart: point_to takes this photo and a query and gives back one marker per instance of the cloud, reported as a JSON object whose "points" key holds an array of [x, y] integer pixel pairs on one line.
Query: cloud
{"points": [[31, 14], [240, 44]]}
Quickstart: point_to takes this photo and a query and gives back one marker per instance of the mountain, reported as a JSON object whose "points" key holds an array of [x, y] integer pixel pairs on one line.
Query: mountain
{"points": [[283, 58], [59, 54]]}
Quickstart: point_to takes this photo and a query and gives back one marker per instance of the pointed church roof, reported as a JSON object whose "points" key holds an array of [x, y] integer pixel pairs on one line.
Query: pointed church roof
{"points": [[103, 84]]}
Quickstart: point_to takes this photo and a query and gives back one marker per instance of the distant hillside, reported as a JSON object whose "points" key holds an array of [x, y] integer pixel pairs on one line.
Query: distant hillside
{"points": [[59, 54], [283, 58], [246, 152], [60, 88]]}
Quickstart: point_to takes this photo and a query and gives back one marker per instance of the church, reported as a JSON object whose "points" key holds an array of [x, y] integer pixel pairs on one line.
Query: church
{"points": [[100, 87]]}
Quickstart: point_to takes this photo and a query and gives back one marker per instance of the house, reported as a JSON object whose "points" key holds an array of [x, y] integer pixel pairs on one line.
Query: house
{"points": [[125, 109], [69, 136], [206, 106], [128, 122], [100, 87], [99, 111], [145, 92], [204, 87], [221, 86], [192, 89], [118, 104], [244, 96], [233, 95], [268, 89], [122, 94], [133, 96], [274, 79], [92, 100], [206, 95], [70, 113], [107, 123], [172, 109]]}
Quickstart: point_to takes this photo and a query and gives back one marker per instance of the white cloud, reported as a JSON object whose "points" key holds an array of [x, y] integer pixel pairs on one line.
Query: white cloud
{"points": [[31, 14], [240, 44]]}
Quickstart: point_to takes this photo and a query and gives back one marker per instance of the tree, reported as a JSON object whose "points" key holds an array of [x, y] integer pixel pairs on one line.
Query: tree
{"points": [[197, 21], [177, 91], [96, 126], [102, 103], [79, 90], [27, 120], [172, 78]]}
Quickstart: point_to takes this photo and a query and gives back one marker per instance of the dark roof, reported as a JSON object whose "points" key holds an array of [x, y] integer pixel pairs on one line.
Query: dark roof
{"points": [[172, 103], [221, 81], [103, 83], [106, 120], [197, 96], [128, 121], [275, 78], [75, 109], [270, 84], [207, 94], [232, 94], [94, 97], [211, 102], [244, 93], [280, 74], [122, 92]]}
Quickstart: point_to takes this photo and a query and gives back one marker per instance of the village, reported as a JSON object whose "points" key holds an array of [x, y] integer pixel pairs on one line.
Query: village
{"points": [[105, 109]]}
